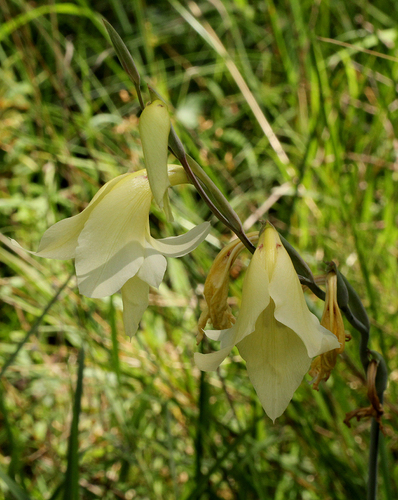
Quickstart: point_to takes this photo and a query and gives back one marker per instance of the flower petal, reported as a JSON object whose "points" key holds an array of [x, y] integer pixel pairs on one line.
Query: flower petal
{"points": [[60, 240], [154, 127], [153, 268], [176, 246], [135, 301], [255, 296], [292, 310], [211, 361], [111, 246], [276, 361], [177, 175]]}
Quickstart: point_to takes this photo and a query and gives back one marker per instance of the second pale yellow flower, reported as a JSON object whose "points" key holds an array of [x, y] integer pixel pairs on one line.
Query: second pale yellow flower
{"points": [[275, 332]]}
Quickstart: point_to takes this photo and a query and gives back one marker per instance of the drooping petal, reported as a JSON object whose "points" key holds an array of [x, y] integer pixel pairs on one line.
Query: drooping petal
{"points": [[135, 301], [176, 246], [276, 361], [111, 246], [292, 310], [153, 268], [154, 127], [211, 361], [60, 240]]}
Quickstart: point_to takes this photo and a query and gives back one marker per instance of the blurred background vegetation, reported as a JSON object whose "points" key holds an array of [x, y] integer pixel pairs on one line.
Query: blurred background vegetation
{"points": [[291, 127]]}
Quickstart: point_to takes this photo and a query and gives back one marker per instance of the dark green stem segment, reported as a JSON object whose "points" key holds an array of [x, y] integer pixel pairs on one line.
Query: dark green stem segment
{"points": [[364, 340], [373, 459], [71, 484], [193, 179]]}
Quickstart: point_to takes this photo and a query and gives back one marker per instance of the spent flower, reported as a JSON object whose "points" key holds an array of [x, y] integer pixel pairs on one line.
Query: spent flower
{"points": [[217, 309], [332, 319]]}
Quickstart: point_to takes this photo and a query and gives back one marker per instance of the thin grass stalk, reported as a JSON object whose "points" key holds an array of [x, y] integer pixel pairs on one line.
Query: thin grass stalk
{"points": [[200, 432], [115, 343], [14, 488], [170, 447], [12, 468], [35, 326], [385, 469]]}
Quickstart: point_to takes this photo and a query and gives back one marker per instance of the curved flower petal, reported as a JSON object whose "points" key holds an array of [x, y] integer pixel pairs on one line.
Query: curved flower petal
{"points": [[332, 320], [177, 175], [135, 301], [111, 246], [60, 240], [255, 296], [176, 246], [211, 361], [153, 268], [276, 361], [294, 312]]}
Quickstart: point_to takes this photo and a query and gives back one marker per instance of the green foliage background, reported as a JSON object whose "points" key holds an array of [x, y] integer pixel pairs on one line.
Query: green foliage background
{"points": [[150, 425]]}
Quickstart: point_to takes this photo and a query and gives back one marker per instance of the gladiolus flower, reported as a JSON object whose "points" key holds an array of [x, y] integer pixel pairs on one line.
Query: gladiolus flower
{"points": [[112, 245], [275, 332]]}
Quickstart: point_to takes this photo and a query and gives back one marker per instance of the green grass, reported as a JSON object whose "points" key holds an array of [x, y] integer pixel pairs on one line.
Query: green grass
{"points": [[261, 101]]}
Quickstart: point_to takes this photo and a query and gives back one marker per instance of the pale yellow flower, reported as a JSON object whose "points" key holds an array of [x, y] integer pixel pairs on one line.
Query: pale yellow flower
{"points": [[112, 245], [275, 332]]}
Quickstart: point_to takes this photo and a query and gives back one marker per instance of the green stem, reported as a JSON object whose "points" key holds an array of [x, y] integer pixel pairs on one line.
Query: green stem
{"points": [[193, 179], [363, 343], [200, 428], [139, 94], [373, 456], [318, 292], [216, 195]]}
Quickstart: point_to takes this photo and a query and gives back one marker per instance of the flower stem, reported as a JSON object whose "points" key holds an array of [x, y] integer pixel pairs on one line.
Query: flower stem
{"points": [[239, 232], [373, 456]]}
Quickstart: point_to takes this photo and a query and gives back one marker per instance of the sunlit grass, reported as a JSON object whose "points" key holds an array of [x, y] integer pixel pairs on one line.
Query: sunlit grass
{"points": [[272, 113]]}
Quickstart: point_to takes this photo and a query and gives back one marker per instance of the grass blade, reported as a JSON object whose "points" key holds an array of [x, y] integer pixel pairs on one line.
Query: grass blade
{"points": [[71, 491], [18, 493]]}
